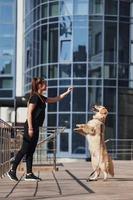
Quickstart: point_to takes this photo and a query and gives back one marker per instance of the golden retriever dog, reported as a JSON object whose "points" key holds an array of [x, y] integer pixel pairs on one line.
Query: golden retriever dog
{"points": [[94, 133]]}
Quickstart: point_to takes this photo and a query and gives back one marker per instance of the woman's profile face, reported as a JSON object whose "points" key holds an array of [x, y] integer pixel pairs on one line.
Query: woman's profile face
{"points": [[43, 86]]}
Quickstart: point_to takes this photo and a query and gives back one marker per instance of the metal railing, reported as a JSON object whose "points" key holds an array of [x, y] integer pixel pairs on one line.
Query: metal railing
{"points": [[5, 136], [46, 148], [120, 149]]}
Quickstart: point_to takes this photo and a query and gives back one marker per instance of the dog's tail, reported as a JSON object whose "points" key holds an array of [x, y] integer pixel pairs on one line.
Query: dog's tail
{"points": [[110, 166]]}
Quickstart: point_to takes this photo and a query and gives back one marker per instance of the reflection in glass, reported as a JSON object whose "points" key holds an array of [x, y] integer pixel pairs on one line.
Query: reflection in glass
{"points": [[79, 70], [80, 44], [111, 7], [65, 71], [7, 30], [94, 96], [79, 99], [96, 7], [66, 7], [80, 7], [94, 70], [110, 99], [110, 44], [78, 141], [64, 120], [65, 28], [52, 119], [110, 71], [95, 41], [65, 50]]}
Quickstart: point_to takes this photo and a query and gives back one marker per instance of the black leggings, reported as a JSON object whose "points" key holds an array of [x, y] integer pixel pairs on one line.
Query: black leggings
{"points": [[28, 149]]}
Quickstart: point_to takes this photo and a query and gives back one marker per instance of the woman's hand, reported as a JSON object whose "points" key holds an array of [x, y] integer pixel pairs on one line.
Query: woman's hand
{"points": [[69, 89]]}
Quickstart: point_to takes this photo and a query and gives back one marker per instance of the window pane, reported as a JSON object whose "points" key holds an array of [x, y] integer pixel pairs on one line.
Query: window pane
{"points": [[64, 120], [124, 71], [52, 119], [44, 11], [81, 7], [66, 7], [80, 44], [52, 71], [5, 65], [65, 71], [79, 99], [79, 70], [110, 71], [7, 93], [96, 7], [65, 28], [94, 70], [65, 104], [125, 8], [6, 83], [44, 45], [110, 99], [78, 141], [111, 7], [110, 42], [7, 30], [95, 41], [94, 96], [53, 43], [65, 50], [52, 92], [124, 42], [53, 9], [6, 13]]}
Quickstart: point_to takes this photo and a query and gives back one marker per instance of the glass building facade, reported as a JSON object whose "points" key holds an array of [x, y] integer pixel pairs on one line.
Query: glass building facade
{"points": [[7, 49], [84, 43]]}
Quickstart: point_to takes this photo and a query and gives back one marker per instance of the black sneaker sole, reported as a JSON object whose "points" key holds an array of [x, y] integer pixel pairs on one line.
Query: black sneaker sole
{"points": [[11, 177]]}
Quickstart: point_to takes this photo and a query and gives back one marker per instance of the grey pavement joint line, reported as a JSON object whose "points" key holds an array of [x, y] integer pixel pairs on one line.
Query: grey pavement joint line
{"points": [[79, 182], [59, 188], [14, 186]]}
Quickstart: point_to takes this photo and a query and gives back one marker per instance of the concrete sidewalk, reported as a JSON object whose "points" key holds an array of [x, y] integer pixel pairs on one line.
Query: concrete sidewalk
{"points": [[69, 183]]}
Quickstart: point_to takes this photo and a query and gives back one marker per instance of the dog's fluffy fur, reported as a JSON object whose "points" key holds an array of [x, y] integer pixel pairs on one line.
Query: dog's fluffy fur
{"points": [[94, 132]]}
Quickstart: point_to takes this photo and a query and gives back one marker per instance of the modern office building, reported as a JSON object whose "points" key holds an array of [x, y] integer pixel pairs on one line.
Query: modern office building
{"points": [[87, 44], [8, 22]]}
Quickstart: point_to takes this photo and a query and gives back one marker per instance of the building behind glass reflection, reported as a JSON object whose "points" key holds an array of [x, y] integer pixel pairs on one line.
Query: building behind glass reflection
{"points": [[87, 44]]}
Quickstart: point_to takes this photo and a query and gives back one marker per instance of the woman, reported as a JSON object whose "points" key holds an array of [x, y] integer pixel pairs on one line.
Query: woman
{"points": [[35, 117]]}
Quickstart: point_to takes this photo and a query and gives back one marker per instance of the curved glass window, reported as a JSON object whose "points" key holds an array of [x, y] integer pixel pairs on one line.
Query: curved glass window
{"points": [[52, 92], [44, 44], [53, 9], [109, 70], [53, 43], [95, 70]]}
